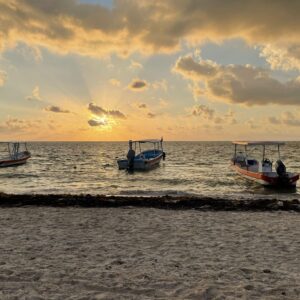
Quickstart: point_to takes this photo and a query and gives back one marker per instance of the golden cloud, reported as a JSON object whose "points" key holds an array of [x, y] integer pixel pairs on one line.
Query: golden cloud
{"points": [[16, 124], [239, 84], [35, 95], [282, 57], [144, 26]]}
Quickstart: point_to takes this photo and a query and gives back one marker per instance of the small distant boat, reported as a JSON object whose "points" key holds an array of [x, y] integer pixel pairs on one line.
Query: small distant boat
{"points": [[18, 154], [262, 171], [145, 160]]}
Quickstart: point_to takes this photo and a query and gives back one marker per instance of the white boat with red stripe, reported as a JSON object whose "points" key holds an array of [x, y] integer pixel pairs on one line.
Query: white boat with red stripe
{"points": [[262, 171], [145, 160], [16, 154]]}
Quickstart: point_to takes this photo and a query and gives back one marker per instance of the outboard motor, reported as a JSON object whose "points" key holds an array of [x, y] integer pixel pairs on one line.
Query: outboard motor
{"points": [[280, 168], [164, 156]]}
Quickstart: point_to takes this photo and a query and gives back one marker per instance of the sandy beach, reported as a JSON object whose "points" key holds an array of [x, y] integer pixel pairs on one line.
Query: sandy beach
{"points": [[146, 253]]}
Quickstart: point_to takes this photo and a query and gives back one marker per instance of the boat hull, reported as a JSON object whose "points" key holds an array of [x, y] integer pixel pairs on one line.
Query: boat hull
{"points": [[268, 179], [13, 162], [141, 164]]}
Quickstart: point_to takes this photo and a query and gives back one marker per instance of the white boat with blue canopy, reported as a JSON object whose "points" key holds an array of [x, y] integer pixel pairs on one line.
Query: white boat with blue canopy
{"points": [[145, 159]]}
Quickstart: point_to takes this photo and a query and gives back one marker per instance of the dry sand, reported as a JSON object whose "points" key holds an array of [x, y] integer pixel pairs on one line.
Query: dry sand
{"points": [[146, 253]]}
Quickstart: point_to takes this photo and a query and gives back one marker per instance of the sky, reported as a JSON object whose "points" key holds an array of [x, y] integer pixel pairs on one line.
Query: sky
{"points": [[112, 70]]}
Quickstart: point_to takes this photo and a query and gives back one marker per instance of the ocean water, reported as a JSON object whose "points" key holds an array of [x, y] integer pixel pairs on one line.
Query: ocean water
{"points": [[190, 168]]}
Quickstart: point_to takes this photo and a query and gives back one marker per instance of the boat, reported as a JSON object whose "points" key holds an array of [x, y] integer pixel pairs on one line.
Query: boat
{"points": [[144, 160], [18, 154], [262, 171]]}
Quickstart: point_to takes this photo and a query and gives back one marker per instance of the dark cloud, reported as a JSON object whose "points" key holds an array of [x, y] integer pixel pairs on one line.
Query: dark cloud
{"points": [[95, 123], [151, 115], [147, 26], [116, 114], [137, 85], [95, 109], [188, 67], [56, 109], [203, 111], [142, 105], [99, 111], [240, 84]]}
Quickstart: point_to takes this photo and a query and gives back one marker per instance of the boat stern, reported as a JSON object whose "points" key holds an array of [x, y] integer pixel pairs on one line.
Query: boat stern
{"points": [[122, 164]]}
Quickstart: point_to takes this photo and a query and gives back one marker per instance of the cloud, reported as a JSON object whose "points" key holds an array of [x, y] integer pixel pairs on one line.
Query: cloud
{"points": [[56, 109], [163, 103], [239, 84], [151, 115], [252, 124], [135, 65], [162, 84], [3, 77], [115, 82], [203, 111], [142, 25], [209, 114], [15, 124], [96, 123], [282, 57], [274, 121], [287, 118], [96, 110], [116, 114], [99, 111], [138, 85], [189, 68], [290, 119], [35, 95]]}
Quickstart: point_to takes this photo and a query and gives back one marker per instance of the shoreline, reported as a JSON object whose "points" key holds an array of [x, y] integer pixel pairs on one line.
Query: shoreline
{"points": [[159, 202]]}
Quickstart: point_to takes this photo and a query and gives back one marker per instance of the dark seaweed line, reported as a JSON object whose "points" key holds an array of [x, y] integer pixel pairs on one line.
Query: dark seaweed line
{"points": [[164, 202]]}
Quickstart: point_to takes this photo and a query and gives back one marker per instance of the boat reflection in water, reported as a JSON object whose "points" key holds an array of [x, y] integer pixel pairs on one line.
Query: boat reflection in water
{"points": [[262, 171]]}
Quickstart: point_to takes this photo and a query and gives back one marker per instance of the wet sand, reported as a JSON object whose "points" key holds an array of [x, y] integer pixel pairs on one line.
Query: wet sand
{"points": [[146, 253]]}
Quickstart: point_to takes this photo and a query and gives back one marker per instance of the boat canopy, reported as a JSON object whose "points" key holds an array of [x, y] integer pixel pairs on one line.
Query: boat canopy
{"points": [[153, 141], [258, 143]]}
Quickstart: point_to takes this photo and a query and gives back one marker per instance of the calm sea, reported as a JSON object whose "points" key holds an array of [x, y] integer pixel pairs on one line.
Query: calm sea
{"points": [[190, 168]]}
